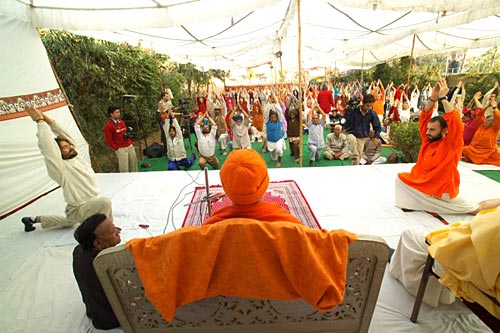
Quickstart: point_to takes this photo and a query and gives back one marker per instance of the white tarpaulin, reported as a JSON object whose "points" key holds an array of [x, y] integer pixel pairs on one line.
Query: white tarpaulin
{"points": [[241, 34], [26, 77]]}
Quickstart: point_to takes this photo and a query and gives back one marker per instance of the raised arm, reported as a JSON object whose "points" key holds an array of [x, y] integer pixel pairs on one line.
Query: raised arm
{"points": [[443, 91], [212, 122], [455, 93], [200, 119], [476, 98], [486, 96], [434, 97]]}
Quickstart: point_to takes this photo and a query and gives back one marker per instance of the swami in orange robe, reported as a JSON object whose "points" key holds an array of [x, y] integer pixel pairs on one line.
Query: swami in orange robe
{"points": [[243, 258], [483, 148], [245, 179], [435, 172]]}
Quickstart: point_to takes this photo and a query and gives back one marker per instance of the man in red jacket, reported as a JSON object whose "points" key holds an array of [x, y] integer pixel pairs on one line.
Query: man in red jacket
{"points": [[118, 139], [325, 100]]}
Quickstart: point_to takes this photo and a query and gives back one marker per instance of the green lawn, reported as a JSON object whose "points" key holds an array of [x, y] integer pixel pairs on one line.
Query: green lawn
{"points": [[160, 164]]}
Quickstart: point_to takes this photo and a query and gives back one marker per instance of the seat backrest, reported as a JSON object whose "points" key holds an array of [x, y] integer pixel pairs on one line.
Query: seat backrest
{"points": [[368, 256]]}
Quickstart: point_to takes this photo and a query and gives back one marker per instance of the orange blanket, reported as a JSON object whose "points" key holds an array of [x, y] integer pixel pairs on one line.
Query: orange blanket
{"points": [[244, 258]]}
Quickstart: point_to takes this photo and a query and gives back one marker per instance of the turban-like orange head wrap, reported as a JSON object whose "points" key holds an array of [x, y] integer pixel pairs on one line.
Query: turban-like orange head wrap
{"points": [[244, 176]]}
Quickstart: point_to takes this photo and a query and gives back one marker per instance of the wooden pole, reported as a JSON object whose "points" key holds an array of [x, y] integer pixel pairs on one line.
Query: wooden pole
{"points": [[362, 63], [463, 62], [411, 63], [300, 80], [281, 66]]}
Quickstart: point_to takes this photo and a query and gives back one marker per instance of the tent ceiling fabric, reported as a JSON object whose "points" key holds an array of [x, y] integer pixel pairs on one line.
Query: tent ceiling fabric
{"points": [[246, 33]]}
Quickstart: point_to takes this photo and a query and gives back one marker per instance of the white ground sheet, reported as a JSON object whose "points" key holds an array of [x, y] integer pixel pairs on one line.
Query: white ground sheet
{"points": [[38, 292]]}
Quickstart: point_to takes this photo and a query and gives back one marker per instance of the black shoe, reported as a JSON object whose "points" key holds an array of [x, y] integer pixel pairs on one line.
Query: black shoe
{"points": [[28, 224]]}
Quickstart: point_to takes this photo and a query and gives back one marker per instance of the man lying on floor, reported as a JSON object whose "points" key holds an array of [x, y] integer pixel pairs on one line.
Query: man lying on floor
{"points": [[238, 253], [467, 260]]}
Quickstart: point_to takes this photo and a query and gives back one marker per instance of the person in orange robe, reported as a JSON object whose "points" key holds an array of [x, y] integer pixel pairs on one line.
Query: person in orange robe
{"points": [[433, 183], [245, 179], [237, 253], [484, 148], [378, 105]]}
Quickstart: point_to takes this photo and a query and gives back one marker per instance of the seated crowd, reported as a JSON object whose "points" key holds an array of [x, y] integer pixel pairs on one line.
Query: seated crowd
{"points": [[358, 115]]}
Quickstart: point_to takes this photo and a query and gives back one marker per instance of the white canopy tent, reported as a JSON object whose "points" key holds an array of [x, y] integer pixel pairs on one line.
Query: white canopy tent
{"points": [[226, 35]]}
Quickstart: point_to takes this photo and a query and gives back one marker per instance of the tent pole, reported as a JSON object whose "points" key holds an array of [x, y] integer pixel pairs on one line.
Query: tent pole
{"points": [[300, 80], [72, 110], [362, 63], [411, 62], [463, 62], [281, 67]]}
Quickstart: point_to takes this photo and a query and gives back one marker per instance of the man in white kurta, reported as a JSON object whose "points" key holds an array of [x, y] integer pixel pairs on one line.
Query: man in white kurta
{"points": [[68, 169]]}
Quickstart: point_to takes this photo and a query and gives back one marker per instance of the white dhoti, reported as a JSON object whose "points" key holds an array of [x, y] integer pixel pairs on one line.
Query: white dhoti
{"points": [[407, 265], [410, 198]]}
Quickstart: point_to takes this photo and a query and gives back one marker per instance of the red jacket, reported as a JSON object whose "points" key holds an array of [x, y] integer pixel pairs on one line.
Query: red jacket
{"points": [[114, 132], [325, 100]]}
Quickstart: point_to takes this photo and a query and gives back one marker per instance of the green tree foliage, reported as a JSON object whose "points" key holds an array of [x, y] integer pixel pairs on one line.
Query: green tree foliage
{"points": [[487, 63], [95, 74], [405, 138], [481, 73], [424, 70]]}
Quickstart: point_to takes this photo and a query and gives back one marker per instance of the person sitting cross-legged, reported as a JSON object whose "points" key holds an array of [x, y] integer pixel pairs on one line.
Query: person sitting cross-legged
{"points": [[372, 150], [176, 152], [206, 141], [252, 249], [483, 148], [433, 183], [337, 147]]}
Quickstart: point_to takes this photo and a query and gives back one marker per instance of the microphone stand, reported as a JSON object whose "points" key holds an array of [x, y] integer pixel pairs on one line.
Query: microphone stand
{"points": [[209, 202], [209, 196]]}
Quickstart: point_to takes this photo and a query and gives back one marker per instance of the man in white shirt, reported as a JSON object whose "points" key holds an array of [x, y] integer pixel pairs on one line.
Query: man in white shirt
{"points": [[68, 169], [176, 153], [206, 141]]}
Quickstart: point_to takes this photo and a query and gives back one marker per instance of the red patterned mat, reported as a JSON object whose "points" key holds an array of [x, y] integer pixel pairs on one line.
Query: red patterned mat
{"points": [[287, 194]]}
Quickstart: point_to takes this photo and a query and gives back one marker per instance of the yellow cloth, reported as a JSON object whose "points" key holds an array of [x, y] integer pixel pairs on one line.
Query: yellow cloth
{"points": [[470, 254], [244, 258]]}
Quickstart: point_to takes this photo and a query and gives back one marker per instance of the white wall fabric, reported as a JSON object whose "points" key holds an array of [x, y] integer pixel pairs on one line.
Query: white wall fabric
{"points": [[25, 70]]}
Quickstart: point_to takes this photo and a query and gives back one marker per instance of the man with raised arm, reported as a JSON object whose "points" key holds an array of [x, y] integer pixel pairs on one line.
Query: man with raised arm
{"points": [[433, 183], [176, 152], [205, 133], [68, 169]]}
